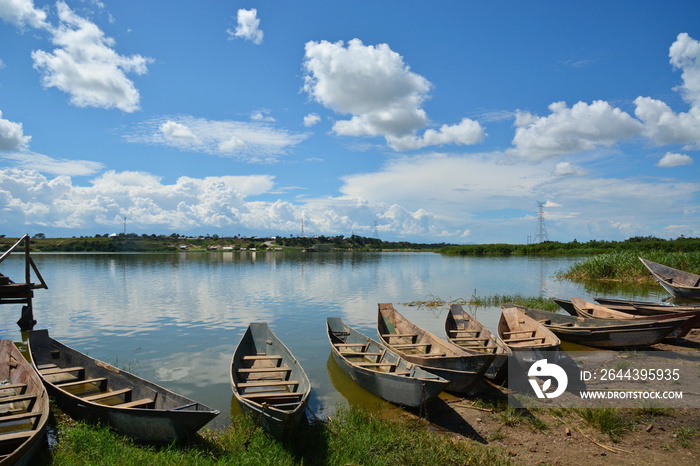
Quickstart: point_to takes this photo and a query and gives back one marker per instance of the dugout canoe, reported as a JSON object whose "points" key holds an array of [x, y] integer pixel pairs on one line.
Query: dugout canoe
{"points": [[24, 407], [268, 381], [465, 331], [646, 307], [464, 369], [527, 338], [685, 321], [97, 392], [600, 333], [380, 370], [677, 282]]}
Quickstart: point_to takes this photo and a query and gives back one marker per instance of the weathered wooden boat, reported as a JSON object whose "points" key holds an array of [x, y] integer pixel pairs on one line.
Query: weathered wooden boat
{"points": [[24, 407], [527, 338], [600, 333], [268, 381], [685, 321], [469, 334], [646, 307], [380, 370], [677, 282], [96, 392], [464, 369]]}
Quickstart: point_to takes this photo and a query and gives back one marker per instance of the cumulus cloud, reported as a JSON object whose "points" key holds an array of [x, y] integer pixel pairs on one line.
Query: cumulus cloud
{"points": [[22, 13], [248, 141], [248, 27], [191, 204], [12, 135], [569, 130], [311, 119], [567, 169], [380, 92], [661, 123], [674, 160], [86, 67]]}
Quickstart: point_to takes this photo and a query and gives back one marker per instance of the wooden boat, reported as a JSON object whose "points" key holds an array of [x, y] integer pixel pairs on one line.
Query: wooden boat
{"points": [[469, 334], [380, 370], [96, 392], [24, 407], [685, 321], [600, 333], [677, 282], [268, 381], [464, 369], [529, 340], [645, 307]]}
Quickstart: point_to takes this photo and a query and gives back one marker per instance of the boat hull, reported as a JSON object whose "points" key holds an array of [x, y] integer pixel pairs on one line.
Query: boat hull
{"points": [[677, 282], [278, 413], [407, 385], [171, 417], [24, 432]]}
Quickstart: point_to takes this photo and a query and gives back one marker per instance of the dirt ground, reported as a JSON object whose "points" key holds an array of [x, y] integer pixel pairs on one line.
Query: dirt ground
{"points": [[671, 438]]}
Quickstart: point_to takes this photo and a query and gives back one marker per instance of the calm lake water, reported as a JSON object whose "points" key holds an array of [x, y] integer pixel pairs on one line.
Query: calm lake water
{"points": [[176, 319]]}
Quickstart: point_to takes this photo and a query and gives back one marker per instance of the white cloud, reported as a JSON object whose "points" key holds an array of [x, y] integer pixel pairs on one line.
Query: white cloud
{"points": [[248, 141], [380, 92], [311, 119], [86, 67], [567, 130], [248, 27], [46, 164], [22, 13], [661, 123], [11, 135], [262, 115], [674, 160], [567, 169]]}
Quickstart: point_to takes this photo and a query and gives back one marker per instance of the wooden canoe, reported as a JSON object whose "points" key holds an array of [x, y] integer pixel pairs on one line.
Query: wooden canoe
{"points": [[469, 334], [24, 407], [96, 392], [685, 321], [646, 307], [677, 282], [380, 370], [464, 369], [268, 381], [601, 333], [527, 338]]}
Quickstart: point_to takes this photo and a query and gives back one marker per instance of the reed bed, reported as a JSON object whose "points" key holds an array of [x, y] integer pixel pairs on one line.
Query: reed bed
{"points": [[626, 266]]}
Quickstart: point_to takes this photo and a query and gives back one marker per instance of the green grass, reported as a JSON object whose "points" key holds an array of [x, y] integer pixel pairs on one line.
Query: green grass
{"points": [[353, 436], [610, 421], [625, 266]]}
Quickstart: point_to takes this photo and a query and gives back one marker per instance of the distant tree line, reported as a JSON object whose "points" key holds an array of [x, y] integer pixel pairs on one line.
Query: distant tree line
{"points": [[637, 243]]}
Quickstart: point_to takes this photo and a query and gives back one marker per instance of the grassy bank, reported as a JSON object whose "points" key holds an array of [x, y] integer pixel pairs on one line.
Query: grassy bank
{"points": [[636, 245], [353, 436], [626, 266]]}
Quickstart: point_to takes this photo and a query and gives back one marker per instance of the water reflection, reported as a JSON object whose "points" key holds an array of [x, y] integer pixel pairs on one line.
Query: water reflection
{"points": [[175, 319]]}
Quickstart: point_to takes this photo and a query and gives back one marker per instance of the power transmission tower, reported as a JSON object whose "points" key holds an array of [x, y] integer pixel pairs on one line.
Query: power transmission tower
{"points": [[376, 233], [541, 235]]}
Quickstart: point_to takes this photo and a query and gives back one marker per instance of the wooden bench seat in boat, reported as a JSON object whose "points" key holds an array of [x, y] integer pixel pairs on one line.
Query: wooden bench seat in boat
{"points": [[109, 394], [18, 387], [252, 370], [399, 335], [519, 331], [9, 436], [268, 383], [61, 370], [375, 364], [349, 345], [517, 340], [97, 381], [410, 345], [19, 417], [262, 357], [359, 353], [475, 339], [17, 398], [143, 402], [272, 395]]}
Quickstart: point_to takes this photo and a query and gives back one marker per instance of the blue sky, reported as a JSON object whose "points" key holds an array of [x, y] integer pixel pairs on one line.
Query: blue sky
{"points": [[427, 122]]}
